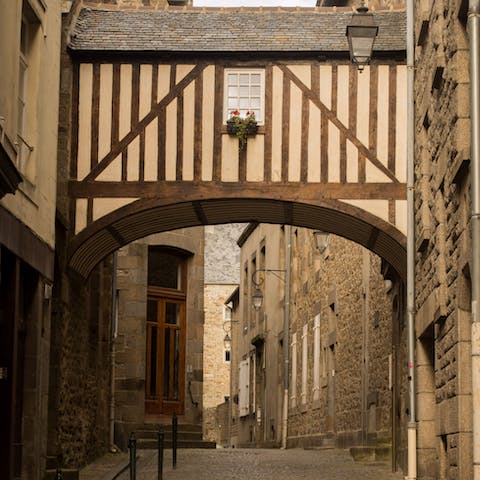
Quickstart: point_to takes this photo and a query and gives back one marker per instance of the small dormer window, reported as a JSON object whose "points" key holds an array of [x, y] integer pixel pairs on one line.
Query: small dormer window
{"points": [[245, 92]]}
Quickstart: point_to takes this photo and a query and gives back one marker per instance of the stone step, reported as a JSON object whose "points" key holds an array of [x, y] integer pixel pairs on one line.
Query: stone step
{"points": [[153, 435], [151, 444], [182, 427], [374, 453], [67, 474]]}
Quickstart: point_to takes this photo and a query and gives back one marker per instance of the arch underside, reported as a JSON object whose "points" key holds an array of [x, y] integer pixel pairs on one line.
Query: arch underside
{"points": [[154, 215]]}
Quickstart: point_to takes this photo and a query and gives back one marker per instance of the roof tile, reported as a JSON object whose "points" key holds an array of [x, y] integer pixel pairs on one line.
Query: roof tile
{"points": [[226, 30]]}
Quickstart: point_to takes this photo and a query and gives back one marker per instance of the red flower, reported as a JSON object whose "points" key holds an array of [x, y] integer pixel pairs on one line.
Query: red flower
{"points": [[235, 112]]}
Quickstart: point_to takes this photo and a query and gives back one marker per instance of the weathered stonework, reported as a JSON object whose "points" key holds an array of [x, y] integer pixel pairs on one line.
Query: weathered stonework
{"points": [[130, 344], [79, 396], [342, 302], [443, 241], [216, 376], [222, 274]]}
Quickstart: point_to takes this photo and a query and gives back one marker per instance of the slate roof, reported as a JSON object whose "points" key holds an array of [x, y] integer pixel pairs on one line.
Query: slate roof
{"points": [[227, 30]]}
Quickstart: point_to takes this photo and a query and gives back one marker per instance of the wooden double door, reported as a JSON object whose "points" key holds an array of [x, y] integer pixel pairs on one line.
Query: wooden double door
{"points": [[165, 348]]}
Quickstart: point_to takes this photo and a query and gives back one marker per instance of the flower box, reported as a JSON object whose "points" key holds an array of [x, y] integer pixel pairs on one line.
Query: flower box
{"points": [[242, 127]]}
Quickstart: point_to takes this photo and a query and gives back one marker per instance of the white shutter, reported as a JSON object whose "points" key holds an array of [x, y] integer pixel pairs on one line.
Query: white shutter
{"points": [[304, 363], [293, 386], [316, 357], [244, 394]]}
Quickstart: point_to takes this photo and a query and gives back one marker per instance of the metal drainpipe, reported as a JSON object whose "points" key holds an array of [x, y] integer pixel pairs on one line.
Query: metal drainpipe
{"points": [[412, 424], [286, 334], [113, 336], [474, 38]]}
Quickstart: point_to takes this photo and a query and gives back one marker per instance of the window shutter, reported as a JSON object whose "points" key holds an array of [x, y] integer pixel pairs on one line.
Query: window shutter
{"points": [[244, 393]]}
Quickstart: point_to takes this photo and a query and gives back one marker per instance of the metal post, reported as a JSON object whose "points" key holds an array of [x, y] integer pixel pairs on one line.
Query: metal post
{"points": [[174, 439], [132, 445], [474, 37], [160, 455], [412, 423], [58, 474], [286, 335]]}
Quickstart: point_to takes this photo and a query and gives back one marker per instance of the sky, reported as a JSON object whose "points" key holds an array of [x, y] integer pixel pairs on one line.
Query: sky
{"points": [[254, 3]]}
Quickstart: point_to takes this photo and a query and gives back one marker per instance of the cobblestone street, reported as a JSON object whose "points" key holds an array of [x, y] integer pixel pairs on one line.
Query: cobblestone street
{"points": [[249, 464]]}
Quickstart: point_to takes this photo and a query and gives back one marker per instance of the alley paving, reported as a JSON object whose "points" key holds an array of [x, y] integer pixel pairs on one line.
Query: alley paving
{"points": [[250, 464]]}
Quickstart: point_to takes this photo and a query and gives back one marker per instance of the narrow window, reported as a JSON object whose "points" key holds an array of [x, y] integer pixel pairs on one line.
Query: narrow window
{"points": [[28, 65]]}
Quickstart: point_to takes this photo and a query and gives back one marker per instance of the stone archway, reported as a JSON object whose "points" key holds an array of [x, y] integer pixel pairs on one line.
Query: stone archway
{"points": [[145, 217]]}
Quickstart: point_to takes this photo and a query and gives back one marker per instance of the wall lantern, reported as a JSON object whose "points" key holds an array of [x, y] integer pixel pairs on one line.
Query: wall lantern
{"points": [[321, 239], [227, 341], [361, 33], [257, 296]]}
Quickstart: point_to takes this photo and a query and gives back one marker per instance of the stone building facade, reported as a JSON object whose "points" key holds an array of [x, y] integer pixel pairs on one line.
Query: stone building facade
{"points": [[222, 273], [142, 346], [443, 240], [344, 314], [29, 58]]}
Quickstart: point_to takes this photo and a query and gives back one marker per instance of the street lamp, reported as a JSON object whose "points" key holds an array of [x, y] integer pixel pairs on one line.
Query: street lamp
{"points": [[227, 342], [361, 33], [257, 297], [321, 239]]}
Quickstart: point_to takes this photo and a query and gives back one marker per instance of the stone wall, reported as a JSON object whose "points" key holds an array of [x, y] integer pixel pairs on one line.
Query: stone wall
{"points": [[222, 274], [131, 341], [79, 396], [216, 376], [443, 240], [360, 322], [345, 287]]}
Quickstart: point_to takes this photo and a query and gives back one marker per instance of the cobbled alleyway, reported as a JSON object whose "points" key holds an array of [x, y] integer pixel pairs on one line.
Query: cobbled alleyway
{"points": [[249, 464]]}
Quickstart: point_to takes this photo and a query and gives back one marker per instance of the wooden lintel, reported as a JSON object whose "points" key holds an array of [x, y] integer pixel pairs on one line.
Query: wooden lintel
{"points": [[187, 190]]}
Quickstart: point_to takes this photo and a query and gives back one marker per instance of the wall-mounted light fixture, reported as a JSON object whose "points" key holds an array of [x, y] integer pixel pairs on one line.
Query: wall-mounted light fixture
{"points": [[321, 239], [257, 297], [227, 342], [361, 34]]}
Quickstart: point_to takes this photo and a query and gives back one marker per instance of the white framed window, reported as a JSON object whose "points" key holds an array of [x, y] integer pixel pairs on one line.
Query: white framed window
{"points": [[28, 68], [304, 363], [293, 390], [22, 93], [245, 92], [316, 357]]}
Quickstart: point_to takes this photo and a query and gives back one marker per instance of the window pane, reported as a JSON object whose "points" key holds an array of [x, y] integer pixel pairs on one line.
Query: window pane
{"points": [[244, 91], [163, 269], [244, 103], [232, 78], [255, 103], [166, 365], [153, 362], [244, 79], [176, 366], [255, 79], [255, 91], [233, 91], [172, 313], [151, 311], [232, 104]]}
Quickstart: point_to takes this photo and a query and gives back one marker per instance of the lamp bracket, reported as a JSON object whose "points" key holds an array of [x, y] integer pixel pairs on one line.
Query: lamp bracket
{"points": [[259, 282]]}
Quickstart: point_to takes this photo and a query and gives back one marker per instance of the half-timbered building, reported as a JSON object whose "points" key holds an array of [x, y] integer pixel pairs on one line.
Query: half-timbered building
{"points": [[152, 91]]}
